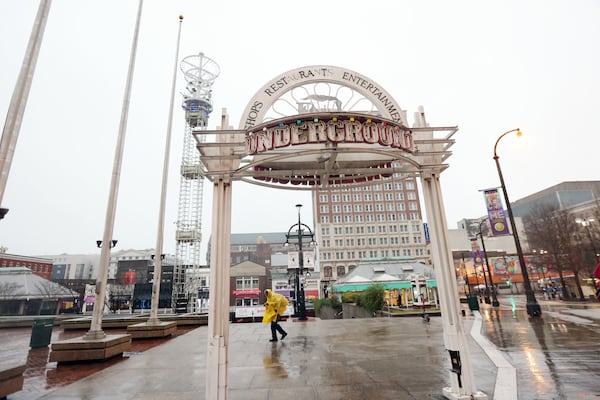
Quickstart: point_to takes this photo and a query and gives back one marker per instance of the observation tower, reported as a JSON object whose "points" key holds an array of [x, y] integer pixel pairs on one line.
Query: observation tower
{"points": [[200, 73]]}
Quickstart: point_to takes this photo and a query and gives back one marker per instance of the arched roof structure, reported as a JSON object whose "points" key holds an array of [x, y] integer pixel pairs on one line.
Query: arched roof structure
{"points": [[316, 126]]}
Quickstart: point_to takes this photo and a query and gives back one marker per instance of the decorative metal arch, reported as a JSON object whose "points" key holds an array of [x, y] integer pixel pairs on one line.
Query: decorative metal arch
{"points": [[312, 128], [328, 99]]}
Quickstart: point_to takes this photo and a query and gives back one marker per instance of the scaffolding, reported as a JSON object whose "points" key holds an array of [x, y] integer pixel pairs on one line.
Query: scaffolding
{"points": [[200, 73]]}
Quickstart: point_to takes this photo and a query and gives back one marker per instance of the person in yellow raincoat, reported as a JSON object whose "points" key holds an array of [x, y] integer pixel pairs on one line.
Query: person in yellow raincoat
{"points": [[275, 307]]}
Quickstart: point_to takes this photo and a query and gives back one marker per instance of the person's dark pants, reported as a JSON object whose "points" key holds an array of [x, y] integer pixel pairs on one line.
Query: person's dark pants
{"points": [[275, 327]]}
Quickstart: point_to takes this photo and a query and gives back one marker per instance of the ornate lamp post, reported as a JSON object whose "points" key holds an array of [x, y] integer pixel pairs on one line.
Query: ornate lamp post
{"points": [[495, 302], [300, 235], [533, 307]]}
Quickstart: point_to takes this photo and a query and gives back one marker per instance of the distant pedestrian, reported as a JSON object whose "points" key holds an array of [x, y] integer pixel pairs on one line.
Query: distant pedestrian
{"points": [[275, 307]]}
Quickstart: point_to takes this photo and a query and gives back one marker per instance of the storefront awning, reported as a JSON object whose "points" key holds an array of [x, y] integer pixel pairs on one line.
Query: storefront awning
{"points": [[359, 287]]}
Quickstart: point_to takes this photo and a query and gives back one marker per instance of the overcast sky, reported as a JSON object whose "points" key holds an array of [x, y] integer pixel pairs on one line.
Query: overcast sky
{"points": [[487, 67]]}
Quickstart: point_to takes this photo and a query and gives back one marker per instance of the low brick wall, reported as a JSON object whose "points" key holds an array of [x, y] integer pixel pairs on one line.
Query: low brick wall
{"points": [[351, 310], [11, 379], [328, 312]]}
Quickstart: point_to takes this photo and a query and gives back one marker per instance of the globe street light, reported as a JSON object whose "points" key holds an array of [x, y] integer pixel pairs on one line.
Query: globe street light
{"points": [[298, 282], [533, 307], [495, 302]]}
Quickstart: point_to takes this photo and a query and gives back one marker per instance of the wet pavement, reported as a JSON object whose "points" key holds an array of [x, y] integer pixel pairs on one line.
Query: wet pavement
{"points": [[554, 357], [42, 376]]}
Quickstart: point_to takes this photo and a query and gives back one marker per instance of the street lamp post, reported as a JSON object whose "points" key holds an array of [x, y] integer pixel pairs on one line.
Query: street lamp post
{"points": [[533, 307], [495, 302], [298, 283], [586, 222]]}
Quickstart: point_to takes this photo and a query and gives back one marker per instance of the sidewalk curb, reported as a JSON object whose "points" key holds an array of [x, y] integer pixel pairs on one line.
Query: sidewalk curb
{"points": [[506, 376]]}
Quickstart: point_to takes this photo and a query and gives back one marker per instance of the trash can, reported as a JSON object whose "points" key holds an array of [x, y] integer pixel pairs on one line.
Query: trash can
{"points": [[41, 332], [473, 303]]}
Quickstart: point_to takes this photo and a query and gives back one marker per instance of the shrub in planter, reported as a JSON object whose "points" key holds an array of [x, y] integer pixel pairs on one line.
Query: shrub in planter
{"points": [[373, 298], [332, 302], [350, 297]]}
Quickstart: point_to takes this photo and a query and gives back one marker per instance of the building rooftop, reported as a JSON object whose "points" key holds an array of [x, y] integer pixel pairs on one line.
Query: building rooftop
{"points": [[18, 283]]}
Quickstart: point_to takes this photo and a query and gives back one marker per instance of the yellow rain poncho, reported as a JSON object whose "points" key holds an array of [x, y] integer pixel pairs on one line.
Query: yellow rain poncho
{"points": [[276, 304]]}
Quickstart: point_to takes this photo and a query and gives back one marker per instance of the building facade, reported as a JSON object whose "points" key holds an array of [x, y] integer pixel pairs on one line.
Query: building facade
{"points": [[376, 220], [38, 265]]}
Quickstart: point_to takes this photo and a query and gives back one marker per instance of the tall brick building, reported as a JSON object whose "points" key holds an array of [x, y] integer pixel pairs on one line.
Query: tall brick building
{"points": [[377, 220]]}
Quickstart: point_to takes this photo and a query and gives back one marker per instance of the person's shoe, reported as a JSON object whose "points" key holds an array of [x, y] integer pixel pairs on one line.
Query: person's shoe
{"points": [[273, 340], [284, 335]]}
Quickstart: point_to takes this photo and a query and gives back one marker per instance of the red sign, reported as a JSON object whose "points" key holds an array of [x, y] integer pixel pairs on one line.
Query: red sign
{"points": [[247, 292]]}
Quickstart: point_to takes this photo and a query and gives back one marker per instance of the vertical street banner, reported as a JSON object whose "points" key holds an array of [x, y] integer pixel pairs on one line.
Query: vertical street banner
{"points": [[496, 214], [293, 261], [476, 253], [308, 259]]}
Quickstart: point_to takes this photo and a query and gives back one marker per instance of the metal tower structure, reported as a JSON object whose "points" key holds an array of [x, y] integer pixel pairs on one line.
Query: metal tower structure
{"points": [[200, 73]]}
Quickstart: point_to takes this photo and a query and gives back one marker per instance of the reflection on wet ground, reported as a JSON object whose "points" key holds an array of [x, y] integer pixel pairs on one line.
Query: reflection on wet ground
{"points": [[42, 376], [557, 357]]}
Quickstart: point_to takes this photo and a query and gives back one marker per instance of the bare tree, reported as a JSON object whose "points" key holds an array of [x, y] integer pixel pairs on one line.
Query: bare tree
{"points": [[553, 230]]}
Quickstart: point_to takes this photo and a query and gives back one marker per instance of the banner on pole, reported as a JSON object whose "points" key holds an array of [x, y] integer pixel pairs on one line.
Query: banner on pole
{"points": [[476, 253], [496, 214]]}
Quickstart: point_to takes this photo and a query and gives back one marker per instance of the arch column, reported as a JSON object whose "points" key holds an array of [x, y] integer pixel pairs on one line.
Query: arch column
{"points": [[454, 335], [217, 358]]}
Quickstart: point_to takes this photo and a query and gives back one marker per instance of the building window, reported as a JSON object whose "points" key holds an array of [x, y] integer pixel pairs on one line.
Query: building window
{"points": [[417, 239], [335, 198], [341, 270], [327, 272], [410, 185], [323, 198], [357, 197], [324, 209], [400, 196], [324, 219], [359, 218], [246, 283]]}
